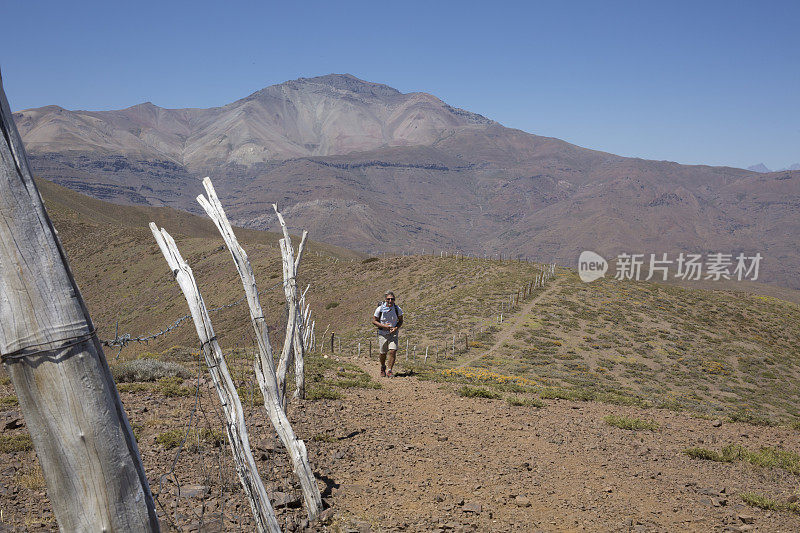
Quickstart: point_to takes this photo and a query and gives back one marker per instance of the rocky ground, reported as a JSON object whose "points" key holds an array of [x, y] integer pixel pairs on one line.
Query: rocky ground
{"points": [[414, 455]]}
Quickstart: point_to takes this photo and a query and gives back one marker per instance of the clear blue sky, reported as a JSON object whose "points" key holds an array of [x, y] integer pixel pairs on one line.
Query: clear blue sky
{"points": [[694, 82]]}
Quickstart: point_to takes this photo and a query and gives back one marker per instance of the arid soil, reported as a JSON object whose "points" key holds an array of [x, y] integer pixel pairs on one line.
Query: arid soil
{"points": [[415, 456]]}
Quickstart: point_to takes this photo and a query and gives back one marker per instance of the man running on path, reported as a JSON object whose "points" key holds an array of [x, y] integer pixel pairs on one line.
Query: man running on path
{"points": [[388, 318]]}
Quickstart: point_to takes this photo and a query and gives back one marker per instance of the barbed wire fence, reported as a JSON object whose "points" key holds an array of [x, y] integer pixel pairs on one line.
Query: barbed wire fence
{"points": [[122, 341], [421, 348], [178, 509], [547, 271]]}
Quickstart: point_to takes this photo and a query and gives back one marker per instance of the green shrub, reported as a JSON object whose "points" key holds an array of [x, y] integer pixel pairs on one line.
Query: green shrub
{"points": [[215, 437], [331, 305], [171, 388], [622, 399], [631, 424], [768, 504], [705, 454], [751, 418], [521, 400], [133, 387], [8, 401], [15, 443], [251, 395], [766, 457], [173, 438], [477, 392], [147, 369], [580, 395], [322, 392]]}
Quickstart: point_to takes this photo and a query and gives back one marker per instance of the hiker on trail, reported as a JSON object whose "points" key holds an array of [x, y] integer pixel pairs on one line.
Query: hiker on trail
{"points": [[388, 318]]}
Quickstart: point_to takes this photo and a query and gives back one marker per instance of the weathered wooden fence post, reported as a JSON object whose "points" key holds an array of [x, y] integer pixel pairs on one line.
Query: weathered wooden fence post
{"points": [[87, 451], [226, 389], [264, 365], [293, 344]]}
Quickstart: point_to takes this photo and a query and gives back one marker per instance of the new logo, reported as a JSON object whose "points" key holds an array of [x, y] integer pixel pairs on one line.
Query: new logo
{"points": [[591, 266]]}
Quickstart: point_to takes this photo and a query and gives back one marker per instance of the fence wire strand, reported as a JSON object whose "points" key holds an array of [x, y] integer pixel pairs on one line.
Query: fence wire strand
{"points": [[122, 341]]}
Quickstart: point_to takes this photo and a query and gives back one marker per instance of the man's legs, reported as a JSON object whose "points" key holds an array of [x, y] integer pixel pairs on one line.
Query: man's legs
{"points": [[383, 344], [390, 362], [392, 355]]}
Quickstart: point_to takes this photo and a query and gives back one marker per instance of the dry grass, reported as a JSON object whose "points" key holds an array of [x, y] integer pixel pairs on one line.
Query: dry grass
{"points": [[766, 457], [477, 392], [768, 504], [631, 424], [15, 443], [31, 478], [147, 369]]}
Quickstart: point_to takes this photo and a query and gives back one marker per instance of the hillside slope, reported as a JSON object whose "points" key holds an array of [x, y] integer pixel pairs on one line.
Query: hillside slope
{"points": [[496, 435], [372, 169], [712, 351]]}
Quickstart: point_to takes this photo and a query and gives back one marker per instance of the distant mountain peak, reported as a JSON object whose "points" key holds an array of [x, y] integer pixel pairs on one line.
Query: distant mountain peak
{"points": [[335, 85], [761, 167]]}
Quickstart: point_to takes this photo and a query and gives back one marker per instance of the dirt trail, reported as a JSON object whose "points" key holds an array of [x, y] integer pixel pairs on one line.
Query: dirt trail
{"points": [[518, 319], [415, 456]]}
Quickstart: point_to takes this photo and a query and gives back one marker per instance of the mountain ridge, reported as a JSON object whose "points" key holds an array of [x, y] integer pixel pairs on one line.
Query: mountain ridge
{"points": [[370, 168]]}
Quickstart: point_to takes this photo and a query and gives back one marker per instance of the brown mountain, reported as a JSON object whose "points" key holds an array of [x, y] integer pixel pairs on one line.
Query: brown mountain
{"points": [[370, 168]]}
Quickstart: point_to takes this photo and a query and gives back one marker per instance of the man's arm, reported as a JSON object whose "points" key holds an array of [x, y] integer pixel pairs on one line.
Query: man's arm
{"points": [[376, 322]]}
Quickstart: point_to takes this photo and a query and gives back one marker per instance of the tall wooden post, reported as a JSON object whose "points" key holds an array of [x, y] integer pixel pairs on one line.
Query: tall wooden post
{"points": [[89, 457], [235, 426], [264, 365]]}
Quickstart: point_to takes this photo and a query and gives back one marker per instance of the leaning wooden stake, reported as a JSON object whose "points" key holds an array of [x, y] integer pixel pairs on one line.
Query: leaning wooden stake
{"points": [[91, 464], [231, 405], [293, 343], [264, 365]]}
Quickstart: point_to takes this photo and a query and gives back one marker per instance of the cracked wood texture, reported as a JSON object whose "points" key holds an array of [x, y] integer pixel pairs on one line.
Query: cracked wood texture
{"points": [[89, 457]]}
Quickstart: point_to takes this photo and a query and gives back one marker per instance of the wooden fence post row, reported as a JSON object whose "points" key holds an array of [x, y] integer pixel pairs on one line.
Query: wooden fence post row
{"points": [[229, 398], [82, 437], [264, 366]]}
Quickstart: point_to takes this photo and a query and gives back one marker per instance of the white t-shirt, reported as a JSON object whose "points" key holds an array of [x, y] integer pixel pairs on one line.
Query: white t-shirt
{"points": [[387, 315]]}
